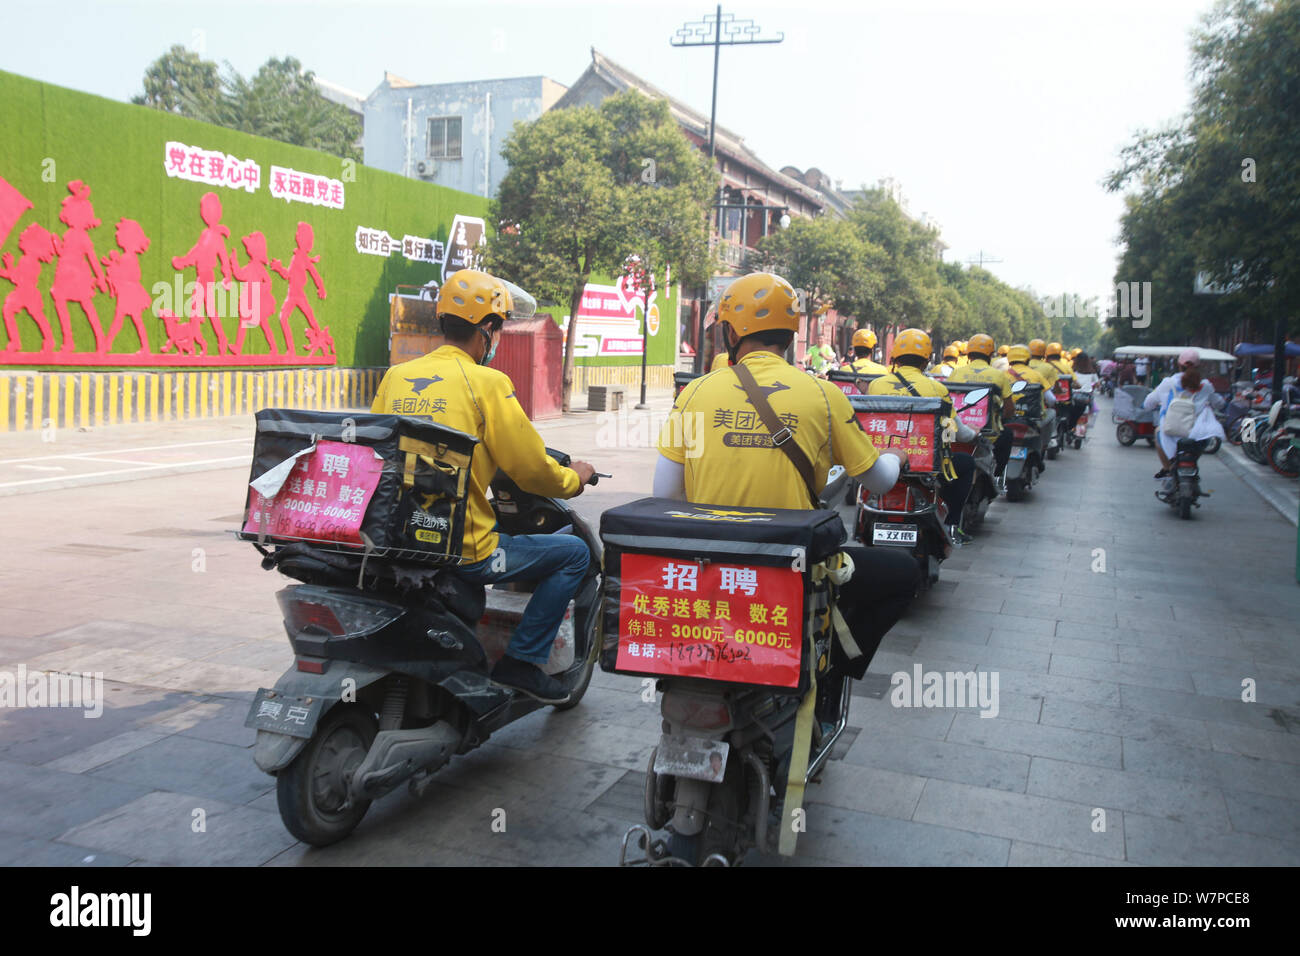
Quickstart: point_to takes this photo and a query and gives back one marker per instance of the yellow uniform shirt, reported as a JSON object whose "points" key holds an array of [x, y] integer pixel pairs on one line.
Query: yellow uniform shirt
{"points": [[864, 366], [1026, 373], [980, 371], [450, 388], [1065, 369], [1046, 370], [719, 361], [728, 455], [925, 386]]}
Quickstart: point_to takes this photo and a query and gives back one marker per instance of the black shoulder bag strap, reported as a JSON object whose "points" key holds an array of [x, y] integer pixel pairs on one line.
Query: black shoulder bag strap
{"points": [[781, 435], [906, 384]]}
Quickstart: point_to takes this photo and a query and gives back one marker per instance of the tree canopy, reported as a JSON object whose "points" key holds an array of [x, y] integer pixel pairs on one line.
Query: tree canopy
{"points": [[1218, 192], [280, 101], [883, 268], [588, 188]]}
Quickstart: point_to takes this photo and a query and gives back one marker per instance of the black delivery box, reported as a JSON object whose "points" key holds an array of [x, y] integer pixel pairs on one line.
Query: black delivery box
{"points": [[713, 591], [388, 485]]}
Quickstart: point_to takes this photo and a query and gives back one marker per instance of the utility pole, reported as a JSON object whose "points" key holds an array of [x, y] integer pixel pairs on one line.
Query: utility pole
{"points": [[982, 259], [711, 32]]}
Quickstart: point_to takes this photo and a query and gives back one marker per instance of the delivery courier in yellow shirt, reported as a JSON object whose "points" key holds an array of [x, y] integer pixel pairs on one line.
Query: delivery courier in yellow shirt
{"points": [[714, 449], [453, 386]]}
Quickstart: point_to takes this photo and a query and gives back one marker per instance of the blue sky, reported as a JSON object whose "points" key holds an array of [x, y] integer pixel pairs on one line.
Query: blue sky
{"points": [[999, 118]]}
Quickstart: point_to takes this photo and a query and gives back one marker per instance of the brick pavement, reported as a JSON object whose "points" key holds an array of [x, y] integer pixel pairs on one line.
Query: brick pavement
{"points": [[1120, 691]]}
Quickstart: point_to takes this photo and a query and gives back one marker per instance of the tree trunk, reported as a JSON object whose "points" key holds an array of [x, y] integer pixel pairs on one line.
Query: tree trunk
{"points": [[570, 337]]}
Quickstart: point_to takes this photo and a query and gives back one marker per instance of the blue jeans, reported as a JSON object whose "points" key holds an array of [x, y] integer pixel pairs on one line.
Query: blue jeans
{"points": [[557, 562]]}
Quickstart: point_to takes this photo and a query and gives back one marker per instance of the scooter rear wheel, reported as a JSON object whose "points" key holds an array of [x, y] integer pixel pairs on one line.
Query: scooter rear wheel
{"points": [[1125, 434], [312, 790], [1016, 489], [1184, 508]]}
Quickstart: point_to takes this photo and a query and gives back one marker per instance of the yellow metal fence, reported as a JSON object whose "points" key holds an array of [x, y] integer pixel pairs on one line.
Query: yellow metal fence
{"points": [[30, 401]]}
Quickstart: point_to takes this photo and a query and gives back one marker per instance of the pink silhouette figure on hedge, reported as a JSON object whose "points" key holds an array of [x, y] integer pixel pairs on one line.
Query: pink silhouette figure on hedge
{"points": [[12, 206], [38, 246], [301, 266], [208, 253], [256, 298], [77, 274], [123, 271]]}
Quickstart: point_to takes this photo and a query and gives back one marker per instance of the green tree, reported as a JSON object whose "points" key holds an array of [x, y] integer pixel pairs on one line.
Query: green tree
{"points": [[829, 261], [1218, 192], [180, 81], [911, 293], [587, 188], [280, 102]]}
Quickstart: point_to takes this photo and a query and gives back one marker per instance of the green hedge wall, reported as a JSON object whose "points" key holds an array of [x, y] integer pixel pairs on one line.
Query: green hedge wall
{"points": [[54, 136]]}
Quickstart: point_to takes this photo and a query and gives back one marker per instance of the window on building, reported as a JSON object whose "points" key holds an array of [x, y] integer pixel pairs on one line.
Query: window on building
{"points": [[444, 137]]}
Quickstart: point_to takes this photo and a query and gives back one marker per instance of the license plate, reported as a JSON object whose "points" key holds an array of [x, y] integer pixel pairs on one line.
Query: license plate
{"points": [[1021, 452], [695, 757], [893, 534], [281, 714]]}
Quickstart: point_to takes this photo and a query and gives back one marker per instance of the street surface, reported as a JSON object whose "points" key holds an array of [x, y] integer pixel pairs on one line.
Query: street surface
{"points": [[1121, 637]]}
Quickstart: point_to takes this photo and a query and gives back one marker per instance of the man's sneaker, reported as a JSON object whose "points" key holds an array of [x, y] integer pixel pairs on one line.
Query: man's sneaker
{"points": [[959, 537], [529, 679]]}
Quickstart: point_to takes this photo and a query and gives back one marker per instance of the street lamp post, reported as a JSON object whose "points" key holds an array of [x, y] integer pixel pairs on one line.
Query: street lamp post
{"points": [[709, 32]]}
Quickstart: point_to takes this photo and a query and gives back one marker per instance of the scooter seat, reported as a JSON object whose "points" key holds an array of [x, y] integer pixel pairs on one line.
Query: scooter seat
{"points": [[467, 601]]}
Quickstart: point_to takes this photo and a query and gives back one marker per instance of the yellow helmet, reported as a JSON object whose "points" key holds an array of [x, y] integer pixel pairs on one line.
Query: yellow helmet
{"points": [[1074, 352], [864, 338], [1037, 347], [951, 352], [473, 296], [1003, 349], [981, 344], [1053, 348], [912, 342], [758, 302], [961, 347], [1018, 353]]}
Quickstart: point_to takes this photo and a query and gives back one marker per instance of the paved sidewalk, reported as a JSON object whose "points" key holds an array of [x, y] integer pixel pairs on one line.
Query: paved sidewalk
{"points": [[1120, 635]]}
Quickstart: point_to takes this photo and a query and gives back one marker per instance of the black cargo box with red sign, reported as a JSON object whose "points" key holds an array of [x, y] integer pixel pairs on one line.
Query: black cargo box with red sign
{"points": [[389, 485], [1029, 402], [904, 422], [715, 592]]}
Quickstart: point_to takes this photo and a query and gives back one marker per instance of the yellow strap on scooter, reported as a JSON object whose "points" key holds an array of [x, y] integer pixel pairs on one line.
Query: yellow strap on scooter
{"points": [[792, 820], [839, 569]]}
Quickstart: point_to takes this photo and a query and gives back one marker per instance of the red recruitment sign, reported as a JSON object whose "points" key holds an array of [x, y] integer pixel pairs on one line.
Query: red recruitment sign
{"points": [[715, 621], [324, 498], [975, 416], [912, 433]]}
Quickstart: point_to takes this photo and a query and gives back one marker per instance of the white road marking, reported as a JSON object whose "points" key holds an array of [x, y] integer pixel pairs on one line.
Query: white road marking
{"points": [[126, 471], [44, 467], [125, 451]]}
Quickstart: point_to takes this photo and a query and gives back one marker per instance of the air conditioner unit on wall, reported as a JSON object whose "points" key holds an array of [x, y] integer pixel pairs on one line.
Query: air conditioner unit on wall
{"points": [[425, 169]]}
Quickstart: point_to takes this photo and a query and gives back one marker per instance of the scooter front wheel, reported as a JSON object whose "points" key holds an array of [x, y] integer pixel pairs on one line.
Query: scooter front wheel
{"points": [[312, 792]]}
